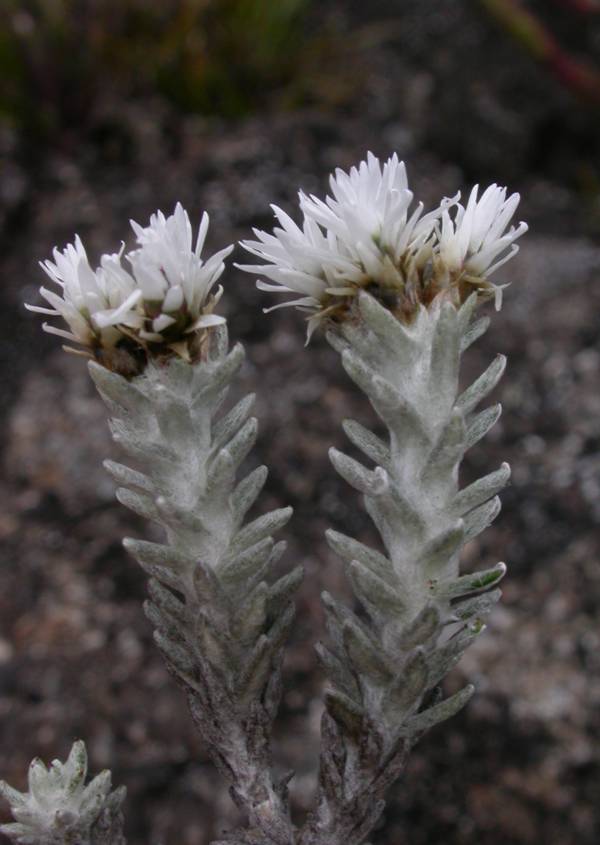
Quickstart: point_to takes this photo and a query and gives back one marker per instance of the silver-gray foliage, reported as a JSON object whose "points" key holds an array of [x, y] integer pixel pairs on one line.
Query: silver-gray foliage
{"points": [[59, 809], [421, 614], [219, 618], [219, 623]]}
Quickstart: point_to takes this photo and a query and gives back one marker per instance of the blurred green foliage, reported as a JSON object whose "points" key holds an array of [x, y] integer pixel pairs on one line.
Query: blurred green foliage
{"points": [[59, 58]]}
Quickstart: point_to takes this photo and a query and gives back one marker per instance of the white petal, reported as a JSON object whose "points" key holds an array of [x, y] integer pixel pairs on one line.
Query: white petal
{"points": [[205, 321], [62, 333], [113, 316], [162, 322], [38, 309], [173, 299]]}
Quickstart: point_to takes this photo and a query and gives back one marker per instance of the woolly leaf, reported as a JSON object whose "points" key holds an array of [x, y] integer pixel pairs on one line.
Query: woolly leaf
{"points": [[366, 655], [477, 605], [481, 490], [139, 503], [282, 591], [119, 390], [424, 721], [478, 519], [437, 553], [350, 549], [252, 616], [481, 423], [127, 477], [246, 492], [443, 368], [482, 386], [344, 710], [404, 694], [388, 329], [221, 472], [368, 443], [238, 569], [364, 480], [474, 332], [263, 526], [422, 628], [393, 513], [337, 671], [167, 602], [156, 554], [447, 656], [255, 674], [241, 444], [227, 426], [378, 597], [465, 313], [447, 452], [221, 375], [470, 584]]}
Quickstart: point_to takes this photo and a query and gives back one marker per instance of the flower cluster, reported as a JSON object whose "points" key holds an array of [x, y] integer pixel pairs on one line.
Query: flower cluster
{"points": [[161, 304], [59, 807], [365, 235]]}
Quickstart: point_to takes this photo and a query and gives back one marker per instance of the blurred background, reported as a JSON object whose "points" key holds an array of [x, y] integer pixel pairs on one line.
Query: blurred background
{"points": [[109, 110]]}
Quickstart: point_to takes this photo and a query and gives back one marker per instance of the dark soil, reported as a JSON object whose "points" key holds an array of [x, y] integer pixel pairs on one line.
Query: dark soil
{"points": [[438, 83]]}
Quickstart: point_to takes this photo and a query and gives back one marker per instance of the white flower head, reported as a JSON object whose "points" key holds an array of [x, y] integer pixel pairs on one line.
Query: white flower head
{"points": [[363, 235], [476, 242], [303, 261], [367, 234], [369, 214], [93, 303], [162, 305], [174, 280]]}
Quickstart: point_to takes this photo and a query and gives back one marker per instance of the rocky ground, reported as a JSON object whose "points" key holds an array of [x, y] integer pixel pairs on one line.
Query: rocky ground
{"points": [[461, 104]]}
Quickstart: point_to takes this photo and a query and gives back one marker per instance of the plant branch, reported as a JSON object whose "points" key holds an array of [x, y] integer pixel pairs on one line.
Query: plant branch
{"points": [[219, 624], [384, 672]]}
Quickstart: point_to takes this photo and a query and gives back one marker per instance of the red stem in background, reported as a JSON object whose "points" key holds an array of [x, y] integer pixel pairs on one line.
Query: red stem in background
{"points": [[580, 77], [584, 7]]}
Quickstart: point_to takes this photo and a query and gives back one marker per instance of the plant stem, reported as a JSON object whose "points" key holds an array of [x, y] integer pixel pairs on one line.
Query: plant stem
{"points": [[220, 626], [385, 672]]}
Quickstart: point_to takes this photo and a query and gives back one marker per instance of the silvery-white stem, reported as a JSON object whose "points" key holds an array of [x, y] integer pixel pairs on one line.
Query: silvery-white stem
{"points": [[384, 672], [218, 622], [59, 809]]}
